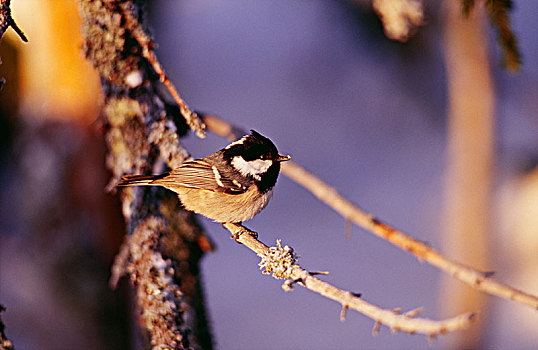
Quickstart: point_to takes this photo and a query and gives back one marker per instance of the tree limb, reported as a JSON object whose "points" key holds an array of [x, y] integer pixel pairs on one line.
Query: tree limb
{"points": [[281, 261], [422, 251], [165, 244]]}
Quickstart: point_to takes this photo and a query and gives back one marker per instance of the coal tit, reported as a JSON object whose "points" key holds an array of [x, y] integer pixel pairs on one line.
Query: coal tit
{"points": [[230, 185]]}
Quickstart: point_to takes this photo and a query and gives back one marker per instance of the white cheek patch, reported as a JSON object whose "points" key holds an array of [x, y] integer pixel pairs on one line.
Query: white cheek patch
{"points": [[253, 167]]}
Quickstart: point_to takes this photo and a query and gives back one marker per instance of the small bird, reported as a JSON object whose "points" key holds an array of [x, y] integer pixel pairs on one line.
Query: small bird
{"points": [[231, 185]]}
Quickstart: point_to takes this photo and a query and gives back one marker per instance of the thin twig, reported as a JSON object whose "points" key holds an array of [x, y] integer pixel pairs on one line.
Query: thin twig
{"points": [[147, 45], [7, 21], [423, 252], [396, 322]]}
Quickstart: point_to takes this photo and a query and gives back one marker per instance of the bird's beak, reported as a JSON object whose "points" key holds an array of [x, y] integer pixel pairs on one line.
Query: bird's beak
{"points": [[282, 158]]}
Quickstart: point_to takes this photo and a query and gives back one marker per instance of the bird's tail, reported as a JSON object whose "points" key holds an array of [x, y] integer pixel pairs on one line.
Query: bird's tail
{"points": [[139, 180]]}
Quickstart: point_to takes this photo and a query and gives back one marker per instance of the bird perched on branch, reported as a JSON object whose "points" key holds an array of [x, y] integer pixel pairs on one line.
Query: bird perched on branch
{"points": [[231, 185]]}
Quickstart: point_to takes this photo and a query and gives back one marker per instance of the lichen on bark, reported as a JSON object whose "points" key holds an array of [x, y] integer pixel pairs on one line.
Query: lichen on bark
{"points": [[165, 243]]}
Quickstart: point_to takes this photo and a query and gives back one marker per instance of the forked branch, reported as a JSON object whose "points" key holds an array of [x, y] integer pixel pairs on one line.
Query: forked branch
{"points": [[281, 262]]}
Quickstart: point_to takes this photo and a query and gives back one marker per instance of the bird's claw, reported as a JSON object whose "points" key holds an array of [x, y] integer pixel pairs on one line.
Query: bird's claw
{"points": [[235, 236]]}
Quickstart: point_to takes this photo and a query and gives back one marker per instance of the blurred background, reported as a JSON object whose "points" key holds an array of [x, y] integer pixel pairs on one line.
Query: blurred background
{"points": [[385, 122]]}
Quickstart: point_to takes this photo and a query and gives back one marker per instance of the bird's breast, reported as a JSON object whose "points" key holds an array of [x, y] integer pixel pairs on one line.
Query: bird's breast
{"points": [[222, 207]]}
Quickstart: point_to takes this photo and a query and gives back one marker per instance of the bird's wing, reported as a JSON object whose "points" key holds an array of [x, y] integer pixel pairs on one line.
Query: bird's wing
{"points": [[202, 175]]}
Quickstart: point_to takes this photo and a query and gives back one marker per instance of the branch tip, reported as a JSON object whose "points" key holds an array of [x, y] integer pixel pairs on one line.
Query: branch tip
{"points": [[348, 227], [17, 30], [315, 273], [414, 312], [377, 327], [288, 285], [343, 312]]}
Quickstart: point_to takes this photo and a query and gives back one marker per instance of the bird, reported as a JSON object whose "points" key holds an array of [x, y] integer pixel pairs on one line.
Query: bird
{"points": [[231, 185]]}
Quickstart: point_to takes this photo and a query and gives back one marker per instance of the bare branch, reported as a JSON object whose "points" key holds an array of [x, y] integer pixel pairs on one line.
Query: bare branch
{"points": [[422, 251], [194, 122], [283, 264], [376, 328]]}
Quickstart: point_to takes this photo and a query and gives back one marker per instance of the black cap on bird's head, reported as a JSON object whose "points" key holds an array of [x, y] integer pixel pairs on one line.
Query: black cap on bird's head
{"points": [[254, 146]]}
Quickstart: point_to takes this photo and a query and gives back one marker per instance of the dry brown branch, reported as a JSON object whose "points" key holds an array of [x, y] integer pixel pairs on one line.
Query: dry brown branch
{"points": [[7, 21], [281, 262], [194, 122], [422, 251]]}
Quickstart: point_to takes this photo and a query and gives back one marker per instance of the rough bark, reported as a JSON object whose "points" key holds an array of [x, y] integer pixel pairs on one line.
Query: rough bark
{"points": [[164, 245]]}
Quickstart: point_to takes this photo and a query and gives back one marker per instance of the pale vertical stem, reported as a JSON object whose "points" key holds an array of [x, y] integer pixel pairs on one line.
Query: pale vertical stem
{"points": [[469, 157]]}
